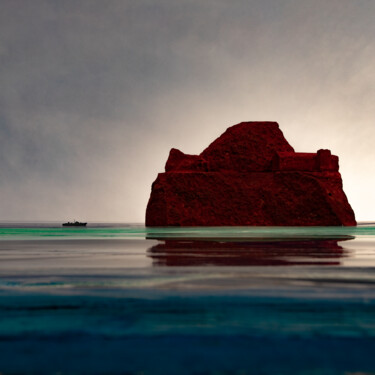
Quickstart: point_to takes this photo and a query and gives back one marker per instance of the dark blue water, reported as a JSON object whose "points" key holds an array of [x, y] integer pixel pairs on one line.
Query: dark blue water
{"points": [[124, 299]]}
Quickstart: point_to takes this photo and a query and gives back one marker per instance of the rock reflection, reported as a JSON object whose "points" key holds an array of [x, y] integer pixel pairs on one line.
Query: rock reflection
{"points": [[244, 253]]}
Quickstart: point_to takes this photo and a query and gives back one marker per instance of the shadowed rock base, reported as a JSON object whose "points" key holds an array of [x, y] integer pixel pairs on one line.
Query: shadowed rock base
{"points": [[250, 175]]}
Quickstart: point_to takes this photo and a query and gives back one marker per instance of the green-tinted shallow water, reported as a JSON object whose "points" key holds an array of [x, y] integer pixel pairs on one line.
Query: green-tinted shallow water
{"points": [[185, 232], [125, 299]]}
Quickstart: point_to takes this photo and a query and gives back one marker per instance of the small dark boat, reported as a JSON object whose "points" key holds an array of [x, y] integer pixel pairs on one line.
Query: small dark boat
{"points": [[74, 224]]}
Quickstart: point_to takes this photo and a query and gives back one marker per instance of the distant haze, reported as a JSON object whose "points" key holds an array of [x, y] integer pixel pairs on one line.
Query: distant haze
{"points": [[95, 93]]}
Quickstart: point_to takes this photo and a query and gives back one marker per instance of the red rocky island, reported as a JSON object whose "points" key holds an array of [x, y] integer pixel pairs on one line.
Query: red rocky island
{"points": [[250, 175]]}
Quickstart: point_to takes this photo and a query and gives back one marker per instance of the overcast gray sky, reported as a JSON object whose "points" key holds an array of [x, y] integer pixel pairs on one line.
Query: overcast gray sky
{"points": [[94, 94]]}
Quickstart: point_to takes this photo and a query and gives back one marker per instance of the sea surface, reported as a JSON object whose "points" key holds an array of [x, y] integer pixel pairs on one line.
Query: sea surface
{"points": [[125, 299]]}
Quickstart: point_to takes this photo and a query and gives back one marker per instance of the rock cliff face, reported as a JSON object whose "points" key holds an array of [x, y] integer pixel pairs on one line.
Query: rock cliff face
{"points": [[250, 175]]}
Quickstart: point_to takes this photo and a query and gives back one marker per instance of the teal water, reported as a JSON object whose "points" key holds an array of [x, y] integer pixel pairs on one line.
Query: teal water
{"points": [[138, 231], [125, 299]]}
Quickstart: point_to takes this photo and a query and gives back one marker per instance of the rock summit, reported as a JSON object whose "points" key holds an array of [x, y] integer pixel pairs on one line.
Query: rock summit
{"points": [[250, 175]]}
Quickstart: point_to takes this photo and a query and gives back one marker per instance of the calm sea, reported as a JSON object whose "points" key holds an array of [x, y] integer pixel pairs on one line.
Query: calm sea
{"points": [[125, 299]]}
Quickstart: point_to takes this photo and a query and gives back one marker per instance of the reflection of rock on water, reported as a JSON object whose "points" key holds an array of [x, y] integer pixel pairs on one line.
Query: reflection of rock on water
{"points": [[259, 253]]}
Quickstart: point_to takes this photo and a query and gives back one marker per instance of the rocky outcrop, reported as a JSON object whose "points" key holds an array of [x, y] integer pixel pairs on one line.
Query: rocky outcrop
{"points": [[250, 175]]}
